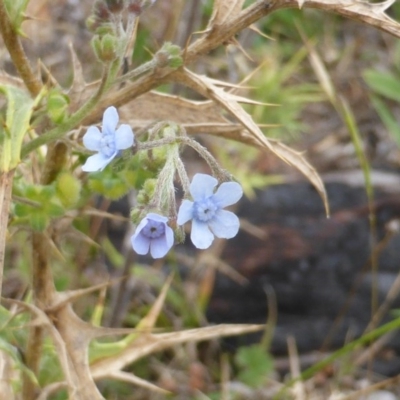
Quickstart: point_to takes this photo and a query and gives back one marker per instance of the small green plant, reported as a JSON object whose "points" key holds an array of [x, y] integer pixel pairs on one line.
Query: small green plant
{"points": [[60, 168]]}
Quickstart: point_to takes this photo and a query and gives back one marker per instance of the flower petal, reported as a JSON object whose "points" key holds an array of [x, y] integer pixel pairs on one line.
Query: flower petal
{"points": [[140, 243], [124, 137], [96, 162], [159, 247], [185, 212], [92, 138], [202, 186], [227, 194], [110, 120], [201, 235], [157, 217], [225, 224]]}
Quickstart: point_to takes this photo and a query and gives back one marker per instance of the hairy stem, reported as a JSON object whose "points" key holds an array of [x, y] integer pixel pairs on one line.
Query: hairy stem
{"points": [[42, 278], [16, 51], [75, 119], [6, 181]]}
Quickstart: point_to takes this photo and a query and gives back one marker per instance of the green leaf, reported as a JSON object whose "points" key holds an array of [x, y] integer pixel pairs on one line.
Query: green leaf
{"points": [[19, 110], [383, 83], [111, 184], [38, 221], [387, 118], [16, 11], [255, 365], [42, 204]]}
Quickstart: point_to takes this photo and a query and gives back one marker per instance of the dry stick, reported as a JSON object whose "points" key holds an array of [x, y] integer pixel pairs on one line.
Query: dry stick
{"points": [[16, 51]]}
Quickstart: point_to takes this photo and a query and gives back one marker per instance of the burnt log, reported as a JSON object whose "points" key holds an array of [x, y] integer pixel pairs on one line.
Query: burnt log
{"points": [[318, 269]]}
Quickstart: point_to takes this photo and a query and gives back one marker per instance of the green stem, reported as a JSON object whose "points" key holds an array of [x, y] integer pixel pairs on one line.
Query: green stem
{"points": [[73, 121], [345, 350], [17, 54]]}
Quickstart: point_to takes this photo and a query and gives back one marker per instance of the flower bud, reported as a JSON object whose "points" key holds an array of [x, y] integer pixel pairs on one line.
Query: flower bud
{"points": [[57, 104], [169, 55], [105, 47], [115, 6], [145, 195], [101, 11], [68, 189], [153, 159], [179, 234]]}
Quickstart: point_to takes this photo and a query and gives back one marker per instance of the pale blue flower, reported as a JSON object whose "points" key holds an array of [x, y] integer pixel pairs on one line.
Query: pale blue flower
{"points": [[153, 234], [108, 143], [206, 211]]}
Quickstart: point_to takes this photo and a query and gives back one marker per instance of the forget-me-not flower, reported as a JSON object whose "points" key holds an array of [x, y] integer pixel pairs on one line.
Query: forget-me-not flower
{"points": [[206, 211], [108, 142], [153, 234]]}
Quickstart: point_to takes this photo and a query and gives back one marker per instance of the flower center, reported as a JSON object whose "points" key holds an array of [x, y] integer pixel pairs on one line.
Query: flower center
{"points": [[107, 145], [153, 229], [204, 210]]}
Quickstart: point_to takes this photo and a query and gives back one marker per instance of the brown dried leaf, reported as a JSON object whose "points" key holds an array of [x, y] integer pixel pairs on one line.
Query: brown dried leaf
{"points": [[370, 13], [79, 90], [203, 86], [149, 343], [155, 106], [297, 160]]}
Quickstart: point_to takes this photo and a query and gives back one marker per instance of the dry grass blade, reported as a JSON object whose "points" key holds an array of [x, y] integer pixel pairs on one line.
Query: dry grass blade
{"points": [[148, 322], [130, 378]]}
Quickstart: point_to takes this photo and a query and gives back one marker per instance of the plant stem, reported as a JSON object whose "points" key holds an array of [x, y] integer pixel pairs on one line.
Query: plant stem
{"points": [[6, 181], [42, 278], [14, 47], [72, 122]]}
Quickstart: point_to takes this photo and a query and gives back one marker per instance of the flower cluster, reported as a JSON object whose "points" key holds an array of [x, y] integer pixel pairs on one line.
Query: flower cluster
{"points": [[205, 209]]}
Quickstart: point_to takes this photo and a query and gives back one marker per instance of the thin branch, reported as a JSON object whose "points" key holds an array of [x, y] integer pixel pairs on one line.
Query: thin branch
{"points": [[14, 47]]}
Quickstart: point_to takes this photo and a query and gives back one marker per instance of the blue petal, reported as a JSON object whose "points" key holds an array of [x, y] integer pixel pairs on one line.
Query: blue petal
{"points": [[124, 137], [96, 162], [92, 138], [201, 235], [110, 120], [140, 243], [225, 224], [202, 186], [159, 247], [156, 217], [185, 212], [227, 194]]}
